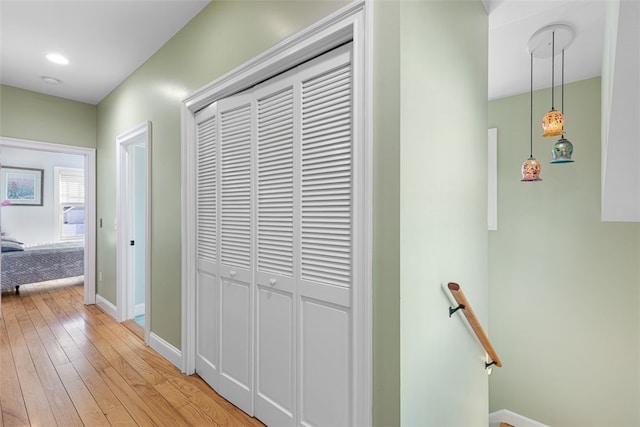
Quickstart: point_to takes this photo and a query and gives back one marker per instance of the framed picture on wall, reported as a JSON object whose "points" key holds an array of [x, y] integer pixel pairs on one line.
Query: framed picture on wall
{"points": [[21, 186]]}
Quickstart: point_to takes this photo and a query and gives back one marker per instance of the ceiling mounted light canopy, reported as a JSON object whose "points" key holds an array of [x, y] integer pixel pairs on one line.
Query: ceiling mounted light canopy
{"points": [[50, 80]]}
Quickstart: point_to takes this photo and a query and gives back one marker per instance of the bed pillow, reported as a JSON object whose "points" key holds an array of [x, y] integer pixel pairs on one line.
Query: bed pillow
{"points": [[12, 246], [10, 239]]}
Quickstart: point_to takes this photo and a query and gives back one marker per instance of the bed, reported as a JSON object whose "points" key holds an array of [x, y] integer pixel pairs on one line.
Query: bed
{"points": [[23, 264]]}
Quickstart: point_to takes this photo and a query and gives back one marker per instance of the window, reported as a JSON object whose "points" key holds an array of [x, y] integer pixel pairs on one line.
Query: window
{"points": [[70, 203]]}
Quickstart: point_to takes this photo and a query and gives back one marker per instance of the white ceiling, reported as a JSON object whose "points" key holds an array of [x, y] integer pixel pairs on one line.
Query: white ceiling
{"points": [[513, 22], [106, 40]]}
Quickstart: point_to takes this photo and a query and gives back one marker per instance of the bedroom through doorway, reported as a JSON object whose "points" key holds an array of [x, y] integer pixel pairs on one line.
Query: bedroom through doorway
{"points": [[47, 219]]}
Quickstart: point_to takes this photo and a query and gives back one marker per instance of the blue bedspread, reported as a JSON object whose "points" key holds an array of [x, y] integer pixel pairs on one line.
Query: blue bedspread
{"points": [[42, 262]]}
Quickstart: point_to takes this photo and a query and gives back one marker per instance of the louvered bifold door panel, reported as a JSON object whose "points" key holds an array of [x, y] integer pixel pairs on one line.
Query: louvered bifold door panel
{"points": [[236, 261], [275, 287], [326, 243], [207, 280]]}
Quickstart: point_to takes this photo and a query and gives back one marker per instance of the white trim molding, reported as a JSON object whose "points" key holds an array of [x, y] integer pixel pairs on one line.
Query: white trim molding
{"points": [[492, 179], [124, 307], [351, 23], [89, 155], [105, 305], [166, 350]]}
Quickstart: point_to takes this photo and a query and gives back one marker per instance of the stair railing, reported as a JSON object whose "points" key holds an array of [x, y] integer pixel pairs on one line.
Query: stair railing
{"points": [[463, 305]]}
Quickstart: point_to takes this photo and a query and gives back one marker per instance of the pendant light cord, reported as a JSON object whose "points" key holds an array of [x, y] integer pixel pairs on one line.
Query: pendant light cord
{"points": [[553, 61], [531, 111], [562, 106]]}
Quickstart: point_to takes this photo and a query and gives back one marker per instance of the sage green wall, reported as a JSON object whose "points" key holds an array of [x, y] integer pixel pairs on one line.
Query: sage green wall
{"points": [[226, 34], [443, 206], [564, 286], [386, 214], [223, 36], [37, 117]]}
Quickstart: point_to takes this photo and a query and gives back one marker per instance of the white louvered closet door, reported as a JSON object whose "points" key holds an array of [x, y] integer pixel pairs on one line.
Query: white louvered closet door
{"points": [[236, 247], [275, 399], [275, 246], [207, 278], [325, 247]]}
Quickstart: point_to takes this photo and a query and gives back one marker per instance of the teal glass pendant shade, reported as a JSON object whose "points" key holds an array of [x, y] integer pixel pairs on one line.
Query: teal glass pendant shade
{"points": [[562, 151]]}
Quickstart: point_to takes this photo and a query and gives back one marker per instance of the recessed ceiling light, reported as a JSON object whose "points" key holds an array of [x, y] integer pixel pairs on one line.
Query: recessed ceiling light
{"points": [[51, 80], [57, 59]]}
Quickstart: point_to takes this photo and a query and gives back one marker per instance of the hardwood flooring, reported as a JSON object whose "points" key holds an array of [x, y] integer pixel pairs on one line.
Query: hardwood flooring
{"points": [[66, 364]]}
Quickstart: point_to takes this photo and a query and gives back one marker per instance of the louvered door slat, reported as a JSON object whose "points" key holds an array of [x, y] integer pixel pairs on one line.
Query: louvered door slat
{"points": [[235, 187], [275, 183], [326, 170], [206, 210]]}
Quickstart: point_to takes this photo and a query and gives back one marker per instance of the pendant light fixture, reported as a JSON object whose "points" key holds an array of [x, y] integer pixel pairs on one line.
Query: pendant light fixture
{"points": [[544, 43], [563, 148], [553, 121], [531, 167]]}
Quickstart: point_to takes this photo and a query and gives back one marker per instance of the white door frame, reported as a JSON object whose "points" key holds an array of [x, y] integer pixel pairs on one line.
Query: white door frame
{"points": [[89, 155], [139, 135], [353, 22]]}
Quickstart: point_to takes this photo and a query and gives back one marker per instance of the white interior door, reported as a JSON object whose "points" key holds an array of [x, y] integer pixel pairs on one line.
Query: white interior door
{"points": [[326, 241], [236, 246], [276, 219], [207, 250], [135, 222]]}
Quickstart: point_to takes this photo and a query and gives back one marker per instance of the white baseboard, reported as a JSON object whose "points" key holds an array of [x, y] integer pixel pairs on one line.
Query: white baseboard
{"points": [[106, 306], [166, 350], [511, 418], [138, 309]]}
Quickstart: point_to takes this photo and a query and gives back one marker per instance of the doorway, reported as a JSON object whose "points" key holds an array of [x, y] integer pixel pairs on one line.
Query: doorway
{"points": [[133, 227], [89, 165]]}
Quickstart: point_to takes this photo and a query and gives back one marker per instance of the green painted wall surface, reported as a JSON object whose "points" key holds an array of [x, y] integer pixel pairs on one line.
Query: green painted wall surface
{"points": [[44, 118], [443, 221], [564, 286], [223, 36], [386, 214]]}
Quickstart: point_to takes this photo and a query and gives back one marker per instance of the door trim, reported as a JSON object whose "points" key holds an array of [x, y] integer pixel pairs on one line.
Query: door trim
{"points": [[353, 22], [127, 138], [89, 155]]}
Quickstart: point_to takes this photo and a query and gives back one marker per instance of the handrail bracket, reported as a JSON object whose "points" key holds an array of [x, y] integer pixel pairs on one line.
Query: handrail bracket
{"points": [[453, 310]]}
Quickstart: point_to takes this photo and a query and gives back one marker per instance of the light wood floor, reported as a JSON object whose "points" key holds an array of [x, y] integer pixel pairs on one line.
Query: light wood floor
{"points": [[63, 363]]}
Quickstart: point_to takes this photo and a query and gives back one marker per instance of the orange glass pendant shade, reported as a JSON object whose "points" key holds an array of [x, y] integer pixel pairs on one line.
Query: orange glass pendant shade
{"points": [[553, 123], [531, 170]]}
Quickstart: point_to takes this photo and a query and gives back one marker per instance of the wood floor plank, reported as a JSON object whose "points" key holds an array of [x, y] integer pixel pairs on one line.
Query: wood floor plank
{"points": [[88, 409], [108, 402], [59, 401], [14, 413], [35, 399]]}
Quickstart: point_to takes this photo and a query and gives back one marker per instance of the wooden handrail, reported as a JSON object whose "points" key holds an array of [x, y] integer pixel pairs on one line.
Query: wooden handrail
{"points": [[457, 293]]}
